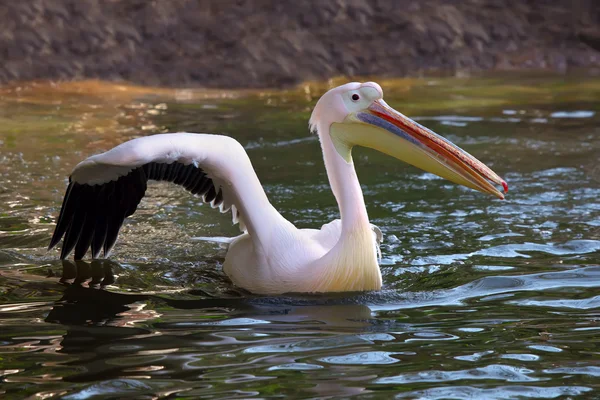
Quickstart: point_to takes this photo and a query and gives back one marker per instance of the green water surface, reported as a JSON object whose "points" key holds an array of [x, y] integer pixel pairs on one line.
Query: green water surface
{"points": [[482, 298]]}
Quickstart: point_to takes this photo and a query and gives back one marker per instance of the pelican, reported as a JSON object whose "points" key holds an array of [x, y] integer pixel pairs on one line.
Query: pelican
{"points": [[271, 256]]}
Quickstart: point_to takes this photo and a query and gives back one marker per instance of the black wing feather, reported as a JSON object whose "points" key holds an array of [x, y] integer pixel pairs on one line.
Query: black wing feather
{"points": [[92, 215], [101, 229], [66, 215], [75, 227], [210, 195], [115, 220], [202, 186], [84, 240]]}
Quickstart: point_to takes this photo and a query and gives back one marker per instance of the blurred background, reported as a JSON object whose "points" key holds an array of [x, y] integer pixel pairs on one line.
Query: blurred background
{"points": [[270, 43]]}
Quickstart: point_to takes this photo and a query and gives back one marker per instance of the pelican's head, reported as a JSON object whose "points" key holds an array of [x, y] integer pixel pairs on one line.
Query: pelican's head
{"points": [[356, 114]]}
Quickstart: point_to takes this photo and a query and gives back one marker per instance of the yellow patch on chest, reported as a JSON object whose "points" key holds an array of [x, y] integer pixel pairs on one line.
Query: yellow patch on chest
{"points": [[350, 266]]}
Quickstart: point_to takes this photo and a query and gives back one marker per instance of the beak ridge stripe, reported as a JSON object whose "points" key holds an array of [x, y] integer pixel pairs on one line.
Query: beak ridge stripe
{"points": [[382, 123]]}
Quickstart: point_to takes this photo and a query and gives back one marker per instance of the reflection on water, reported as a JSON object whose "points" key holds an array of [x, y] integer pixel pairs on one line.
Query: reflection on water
{"points": [[482, 298]]}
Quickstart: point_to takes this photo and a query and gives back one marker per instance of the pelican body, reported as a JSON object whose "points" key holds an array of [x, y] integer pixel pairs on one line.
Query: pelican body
{"points": [[271, 256]]}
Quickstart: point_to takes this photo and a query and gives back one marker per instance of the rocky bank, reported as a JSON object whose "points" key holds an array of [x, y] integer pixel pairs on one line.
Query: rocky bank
{"points": [[274, 43]]}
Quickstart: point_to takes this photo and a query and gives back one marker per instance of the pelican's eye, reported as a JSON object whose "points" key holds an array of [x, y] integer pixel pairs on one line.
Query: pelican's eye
{"points": [[355, 97]]}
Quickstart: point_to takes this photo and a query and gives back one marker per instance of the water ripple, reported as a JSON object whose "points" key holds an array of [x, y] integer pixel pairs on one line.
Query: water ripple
{"points": [[580, 304], [573, 114], [521, 357], [589, 370], [568, 248], [482, 298], [497, 393], [491, 372], [366, 358], [491, 285]]}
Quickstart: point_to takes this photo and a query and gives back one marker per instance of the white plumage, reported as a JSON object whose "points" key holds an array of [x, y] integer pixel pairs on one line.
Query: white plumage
{"points": [[272, 255]]}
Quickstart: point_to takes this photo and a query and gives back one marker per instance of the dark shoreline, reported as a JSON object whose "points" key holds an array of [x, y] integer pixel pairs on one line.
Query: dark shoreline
{"points": [[264, 43]]}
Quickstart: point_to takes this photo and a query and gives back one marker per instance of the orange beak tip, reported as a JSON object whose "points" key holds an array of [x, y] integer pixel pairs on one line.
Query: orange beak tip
{"points": [[505, 186]]}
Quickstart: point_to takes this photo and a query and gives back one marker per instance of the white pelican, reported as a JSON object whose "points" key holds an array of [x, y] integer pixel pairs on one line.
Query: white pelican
{"points": [[271, 256]]}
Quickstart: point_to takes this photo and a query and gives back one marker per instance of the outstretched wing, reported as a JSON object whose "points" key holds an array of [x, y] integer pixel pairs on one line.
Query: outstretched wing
{"points": [[107, 188]]}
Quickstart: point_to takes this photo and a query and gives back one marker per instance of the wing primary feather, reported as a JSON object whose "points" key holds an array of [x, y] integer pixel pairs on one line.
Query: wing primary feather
{"points": [[195, 184], [129, 191], [194, 176], [193, 171], [218, 199], [65, 216], [148, 169], [202, 187], [111, 210], [99, 235], [183, 174], [115, 221], [74, 230], [154, 170], [175, 167], [85, 238], [105, 203], [88, 227], [210, 194], [161, 171], [169, 173], [128, 188], [137, 184]]}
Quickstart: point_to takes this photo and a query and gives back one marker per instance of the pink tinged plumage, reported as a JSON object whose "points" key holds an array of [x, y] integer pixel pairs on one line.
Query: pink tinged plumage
{"points": [[271, 256]]}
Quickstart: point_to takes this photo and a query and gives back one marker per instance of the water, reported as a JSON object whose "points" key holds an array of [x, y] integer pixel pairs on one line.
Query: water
{"points": [[482, 298]]}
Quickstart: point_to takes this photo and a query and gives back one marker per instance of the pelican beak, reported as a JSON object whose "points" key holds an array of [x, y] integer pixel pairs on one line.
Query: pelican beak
{"points": [[402, 138]]}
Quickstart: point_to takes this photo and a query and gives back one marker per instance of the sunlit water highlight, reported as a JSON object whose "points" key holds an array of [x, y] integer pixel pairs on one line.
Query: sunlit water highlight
{"points": [[482, 299]]}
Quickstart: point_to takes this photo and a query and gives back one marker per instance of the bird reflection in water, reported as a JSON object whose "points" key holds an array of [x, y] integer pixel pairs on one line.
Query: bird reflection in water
{"points": [[86, 301], [122, 335]]}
